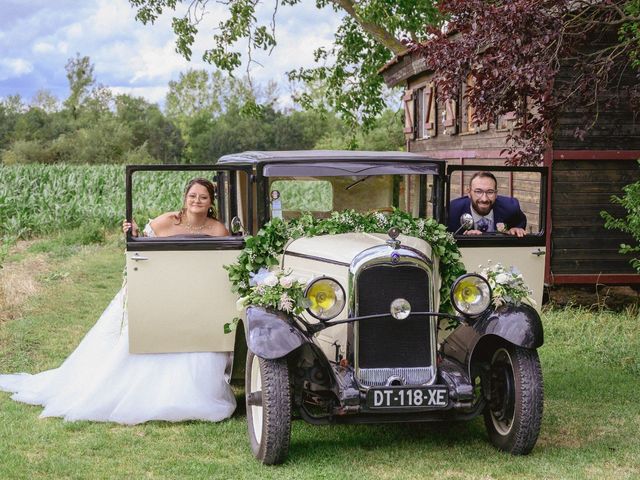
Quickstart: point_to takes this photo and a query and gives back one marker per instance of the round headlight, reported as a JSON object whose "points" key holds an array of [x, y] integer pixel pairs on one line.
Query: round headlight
{"points": [[471, 294], [326, 298]]}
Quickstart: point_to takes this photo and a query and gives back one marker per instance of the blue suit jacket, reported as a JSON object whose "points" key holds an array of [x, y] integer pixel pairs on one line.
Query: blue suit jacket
{"points": [[506, 210]]}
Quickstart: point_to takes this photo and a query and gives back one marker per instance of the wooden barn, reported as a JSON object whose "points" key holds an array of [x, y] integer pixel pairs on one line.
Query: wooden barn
{"points": [[582, 174]]}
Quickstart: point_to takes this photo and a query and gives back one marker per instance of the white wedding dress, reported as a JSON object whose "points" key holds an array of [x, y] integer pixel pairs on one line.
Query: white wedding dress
{"points": [[102, 381]]}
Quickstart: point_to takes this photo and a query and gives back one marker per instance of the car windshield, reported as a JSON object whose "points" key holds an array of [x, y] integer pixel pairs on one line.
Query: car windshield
{"points": [[320, 195]]}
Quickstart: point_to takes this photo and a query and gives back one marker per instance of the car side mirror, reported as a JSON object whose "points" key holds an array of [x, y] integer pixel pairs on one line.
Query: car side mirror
{"points": [[236, 226]]}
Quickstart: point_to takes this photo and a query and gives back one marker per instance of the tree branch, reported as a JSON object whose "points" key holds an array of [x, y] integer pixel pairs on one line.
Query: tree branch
{"points": [[380, 34]]}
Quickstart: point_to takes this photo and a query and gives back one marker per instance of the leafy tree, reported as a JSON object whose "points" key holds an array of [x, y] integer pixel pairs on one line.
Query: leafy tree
{"points": [[536, 58], [630, 201], [149, 128], [46, 101], [81, 80], [371, 32], [384, 134]]}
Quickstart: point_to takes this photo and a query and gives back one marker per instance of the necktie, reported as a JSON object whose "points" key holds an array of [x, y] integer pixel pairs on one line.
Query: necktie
{"points": [[482, 225]]}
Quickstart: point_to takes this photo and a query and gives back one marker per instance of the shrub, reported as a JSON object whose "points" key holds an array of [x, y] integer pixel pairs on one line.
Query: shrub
{"points": [[630, 201]]}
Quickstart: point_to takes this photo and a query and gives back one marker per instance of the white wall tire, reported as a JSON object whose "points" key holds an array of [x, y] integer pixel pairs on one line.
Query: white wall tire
{"points": [[268, 402]]}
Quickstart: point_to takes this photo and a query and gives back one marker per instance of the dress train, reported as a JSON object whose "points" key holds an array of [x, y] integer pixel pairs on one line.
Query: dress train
{"points": [[102, 381]]}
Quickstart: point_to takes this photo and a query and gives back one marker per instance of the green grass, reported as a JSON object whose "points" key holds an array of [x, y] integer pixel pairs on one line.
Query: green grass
{"points": [[590, 428]]}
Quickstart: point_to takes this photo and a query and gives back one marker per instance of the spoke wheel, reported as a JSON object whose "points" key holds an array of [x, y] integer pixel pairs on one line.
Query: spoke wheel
{"points": [[514, 394], [268, 408]]}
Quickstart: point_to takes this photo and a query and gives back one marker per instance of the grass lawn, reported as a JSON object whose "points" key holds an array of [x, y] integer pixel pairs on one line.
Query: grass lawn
{"points": [[52, 292]]}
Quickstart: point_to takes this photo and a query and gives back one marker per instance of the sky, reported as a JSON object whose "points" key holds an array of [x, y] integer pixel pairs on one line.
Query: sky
{"points": [[38, 37]]}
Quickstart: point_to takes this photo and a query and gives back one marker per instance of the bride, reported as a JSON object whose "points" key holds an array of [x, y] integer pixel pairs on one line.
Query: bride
{"points": [[102, 381]]}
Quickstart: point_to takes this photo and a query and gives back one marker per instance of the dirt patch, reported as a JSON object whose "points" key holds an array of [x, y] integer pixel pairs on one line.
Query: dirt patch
{"points": [[19, 281], [594, 296]]}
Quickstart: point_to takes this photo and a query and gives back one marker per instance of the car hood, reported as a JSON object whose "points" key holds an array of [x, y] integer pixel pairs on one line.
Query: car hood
{"points": [[342, 248]]}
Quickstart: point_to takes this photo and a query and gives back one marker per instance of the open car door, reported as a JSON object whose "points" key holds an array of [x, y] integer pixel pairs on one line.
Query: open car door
{"points": [[178, 292], [527, 254]]}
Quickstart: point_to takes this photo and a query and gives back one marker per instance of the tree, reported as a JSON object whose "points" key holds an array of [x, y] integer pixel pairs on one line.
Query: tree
{"points": [[536, 58], [630, 223], [149, 128], [371, 32], [81, 79], [46, 101]]}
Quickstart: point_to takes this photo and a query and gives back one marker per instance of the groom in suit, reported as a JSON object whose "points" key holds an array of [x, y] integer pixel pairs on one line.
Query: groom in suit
{"points": [[491, 212]]}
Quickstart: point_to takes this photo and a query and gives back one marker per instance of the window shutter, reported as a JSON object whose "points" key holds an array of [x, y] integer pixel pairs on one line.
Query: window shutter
{"points": [[450, 120], [409, 131]]}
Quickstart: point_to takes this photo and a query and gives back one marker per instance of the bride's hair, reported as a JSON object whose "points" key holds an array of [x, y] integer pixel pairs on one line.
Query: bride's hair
{"points": [[211, 188]]}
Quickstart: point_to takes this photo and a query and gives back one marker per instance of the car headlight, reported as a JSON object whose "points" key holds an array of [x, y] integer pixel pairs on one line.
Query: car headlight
{"points": [[471, 294], [326, 297]]}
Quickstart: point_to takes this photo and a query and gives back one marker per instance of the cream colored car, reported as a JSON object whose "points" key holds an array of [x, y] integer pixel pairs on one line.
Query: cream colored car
{"points": [[377, 348]]}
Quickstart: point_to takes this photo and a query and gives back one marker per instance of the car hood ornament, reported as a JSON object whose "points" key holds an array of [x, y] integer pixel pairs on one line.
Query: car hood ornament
{"points": [[393, 241]]}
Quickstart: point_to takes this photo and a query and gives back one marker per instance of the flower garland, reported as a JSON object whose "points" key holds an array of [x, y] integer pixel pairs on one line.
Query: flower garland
{"points": [[262, 250], [507, 286], [277, 289]]}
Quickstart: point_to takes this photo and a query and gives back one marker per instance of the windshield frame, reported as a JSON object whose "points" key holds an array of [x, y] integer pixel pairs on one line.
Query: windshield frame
{"points": [[353, 168]]}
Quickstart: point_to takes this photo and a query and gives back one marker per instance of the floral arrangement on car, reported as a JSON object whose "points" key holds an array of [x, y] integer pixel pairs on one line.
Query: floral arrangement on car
{"points": [[273, 288], [262, 250], [507, 285]]}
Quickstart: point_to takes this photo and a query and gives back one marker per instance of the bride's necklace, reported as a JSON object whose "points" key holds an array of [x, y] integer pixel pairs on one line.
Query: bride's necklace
{"points": [[193, 228]]}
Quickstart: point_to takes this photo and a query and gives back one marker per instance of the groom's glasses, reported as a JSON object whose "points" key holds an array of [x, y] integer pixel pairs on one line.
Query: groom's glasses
{"points": [[479, 192]]}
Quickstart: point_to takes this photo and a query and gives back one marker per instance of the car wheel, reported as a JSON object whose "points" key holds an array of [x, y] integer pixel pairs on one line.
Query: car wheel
{"points": [[268, 408], [514, 399]]}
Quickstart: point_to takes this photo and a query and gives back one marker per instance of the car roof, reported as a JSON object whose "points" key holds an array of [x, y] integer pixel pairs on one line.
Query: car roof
{"points": [[301, 156]]}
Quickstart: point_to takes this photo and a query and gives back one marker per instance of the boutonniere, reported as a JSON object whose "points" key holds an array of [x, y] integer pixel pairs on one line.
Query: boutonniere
{"points": [[501, 227]]}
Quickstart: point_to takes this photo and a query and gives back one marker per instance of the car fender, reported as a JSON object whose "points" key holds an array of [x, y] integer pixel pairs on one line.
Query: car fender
{"points": [[271, 334], [519, 325]]}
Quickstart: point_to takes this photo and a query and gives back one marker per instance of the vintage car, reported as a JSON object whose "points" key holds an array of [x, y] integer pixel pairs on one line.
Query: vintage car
{"points": [[373, 344]]}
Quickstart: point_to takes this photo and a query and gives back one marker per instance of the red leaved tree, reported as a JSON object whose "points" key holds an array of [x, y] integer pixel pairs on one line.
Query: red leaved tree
{"points": [[536, 58]]}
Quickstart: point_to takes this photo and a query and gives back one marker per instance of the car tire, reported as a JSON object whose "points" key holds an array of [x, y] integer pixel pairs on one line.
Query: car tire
{"points": [[514, 393], [268, 400]]}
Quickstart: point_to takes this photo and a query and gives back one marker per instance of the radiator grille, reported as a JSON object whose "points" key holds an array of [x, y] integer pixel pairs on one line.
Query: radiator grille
{"points": [[387, 344]]}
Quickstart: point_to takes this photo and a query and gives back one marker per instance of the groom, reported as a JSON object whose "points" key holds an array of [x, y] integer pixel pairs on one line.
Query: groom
{"points": [[491, 212]]}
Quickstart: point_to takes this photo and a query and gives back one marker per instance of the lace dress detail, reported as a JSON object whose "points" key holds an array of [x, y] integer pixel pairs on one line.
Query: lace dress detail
{"points": [[102, 381]]}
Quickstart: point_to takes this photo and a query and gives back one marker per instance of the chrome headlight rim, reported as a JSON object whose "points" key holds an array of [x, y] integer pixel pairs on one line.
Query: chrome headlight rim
{"points": [[477, 278], [340, 288]]}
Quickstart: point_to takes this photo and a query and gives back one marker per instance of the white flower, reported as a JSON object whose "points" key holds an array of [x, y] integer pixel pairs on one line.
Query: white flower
{"points": [[502, 278], [270, 280], [285, 303], [286, 282]]}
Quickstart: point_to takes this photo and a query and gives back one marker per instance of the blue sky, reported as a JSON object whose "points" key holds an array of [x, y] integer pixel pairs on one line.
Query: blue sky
{"points": [[37, 37]]}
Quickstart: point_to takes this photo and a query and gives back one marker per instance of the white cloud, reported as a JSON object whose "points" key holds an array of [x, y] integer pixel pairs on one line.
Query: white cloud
{"points": [[139, 59], [151, 94], [14, 67], [43, 47]]}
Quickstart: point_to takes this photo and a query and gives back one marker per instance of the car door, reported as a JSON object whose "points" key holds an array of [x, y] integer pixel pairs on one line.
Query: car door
{"points": [[527, 254], [178, 293]]}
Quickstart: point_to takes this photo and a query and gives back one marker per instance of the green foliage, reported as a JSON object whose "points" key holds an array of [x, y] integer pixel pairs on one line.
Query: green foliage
{"points": [[41, 200], [630, 201], [371, 32], [276, 289], [631, 29], [384, 134], [263, 249], [81, 79]]}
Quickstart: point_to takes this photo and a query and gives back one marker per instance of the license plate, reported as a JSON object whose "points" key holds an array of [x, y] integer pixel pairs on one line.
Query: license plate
{"points": [[424, 397]]}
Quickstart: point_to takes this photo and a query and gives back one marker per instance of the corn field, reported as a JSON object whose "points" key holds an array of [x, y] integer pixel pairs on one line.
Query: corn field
{"points": [[42, 199]]}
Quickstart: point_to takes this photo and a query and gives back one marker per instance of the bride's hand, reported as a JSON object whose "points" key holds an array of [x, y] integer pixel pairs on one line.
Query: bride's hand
{"points": [[126, 226]]}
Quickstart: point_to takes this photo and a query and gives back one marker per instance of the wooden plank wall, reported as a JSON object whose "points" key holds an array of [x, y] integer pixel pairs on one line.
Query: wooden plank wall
{"points": [[580, 190]]}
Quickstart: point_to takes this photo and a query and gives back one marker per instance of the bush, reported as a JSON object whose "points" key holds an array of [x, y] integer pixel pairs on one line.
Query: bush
{"points": [[630, 201]]}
